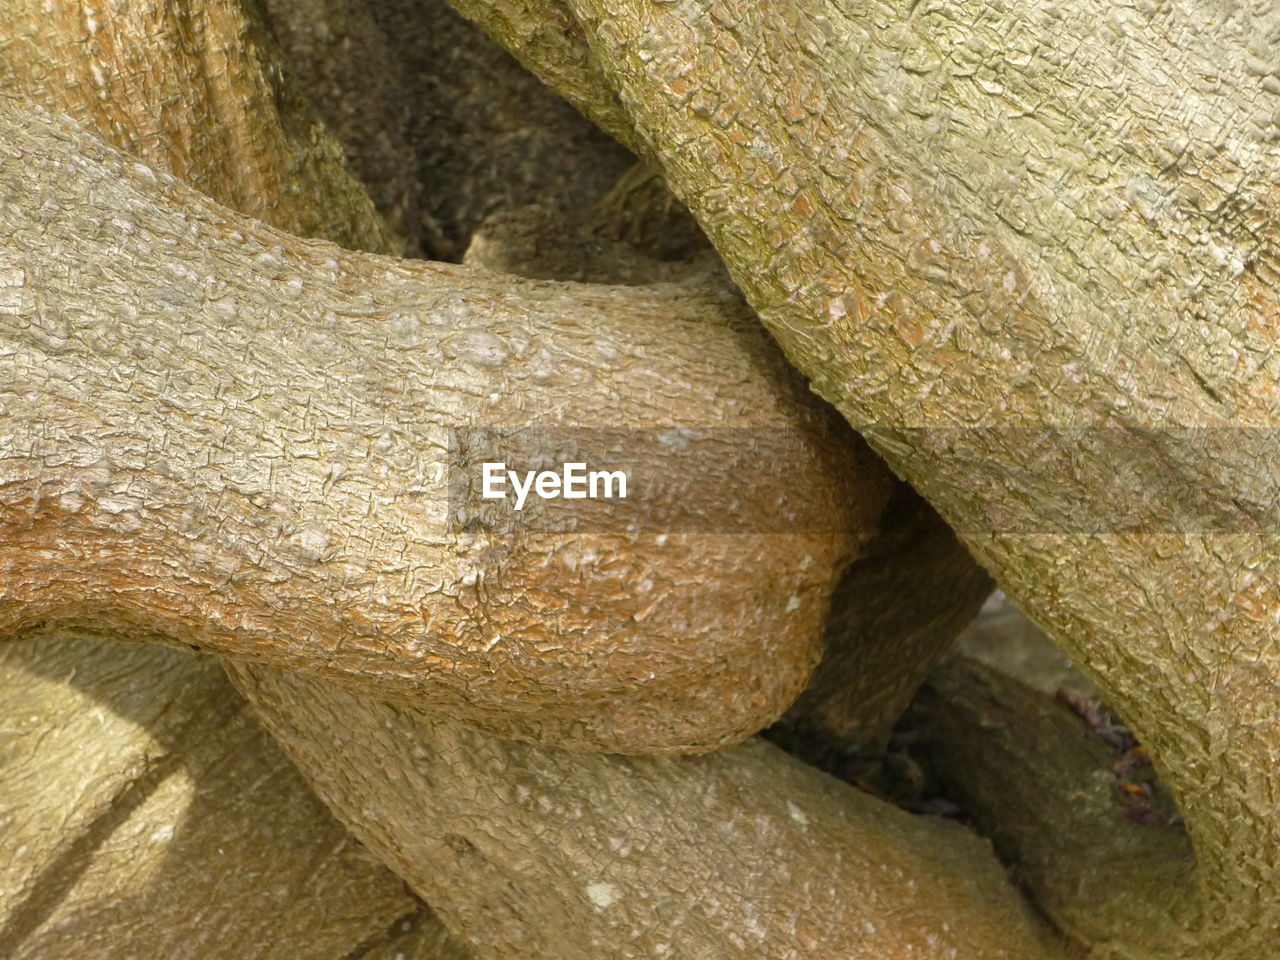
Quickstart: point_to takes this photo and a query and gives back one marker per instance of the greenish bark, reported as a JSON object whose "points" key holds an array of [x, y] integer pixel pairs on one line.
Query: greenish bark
{"points": [[145, 812]]}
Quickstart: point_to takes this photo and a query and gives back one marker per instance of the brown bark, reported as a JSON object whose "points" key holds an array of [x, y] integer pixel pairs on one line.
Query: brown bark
{"points": [[745, 853], [897, 609], [710, 938], [531, 242], [544, 36], [976, 226], [219, 486], [194, 89], [911, 590], [640, 211], [365, 576], [321, 25]]}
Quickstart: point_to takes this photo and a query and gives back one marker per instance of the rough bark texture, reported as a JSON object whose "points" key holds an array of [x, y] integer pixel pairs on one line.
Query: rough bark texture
{"points": [[746, 853], [441, 123], [193, 88], [1004, 909], [954, 217], [336, 52], [144, 812], [912, 589], [972, 225], [234, 439]]}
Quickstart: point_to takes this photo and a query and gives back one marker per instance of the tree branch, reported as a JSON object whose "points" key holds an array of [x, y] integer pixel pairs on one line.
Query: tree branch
{"points": [[195, 89], [1102, 862], [1047, 298], [176, 437], [744, 853]]}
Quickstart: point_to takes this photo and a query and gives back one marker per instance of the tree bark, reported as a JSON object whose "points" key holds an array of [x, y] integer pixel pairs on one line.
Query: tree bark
{"points": [[898, 194], [1004, 908], [744, 853], [145, 812], [257, 166], [897, 609], [1082, 822], [544, 36], [195, 89], [1032, 260], [175, 435]]}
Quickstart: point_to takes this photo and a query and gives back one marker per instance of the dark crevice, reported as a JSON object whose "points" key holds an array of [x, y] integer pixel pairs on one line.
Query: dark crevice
{"points": [[401, 926]]}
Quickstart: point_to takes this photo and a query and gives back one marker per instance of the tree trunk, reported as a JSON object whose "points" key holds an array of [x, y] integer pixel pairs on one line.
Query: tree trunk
{"points": [[639, 223], [1028, 251], [440, 123]]}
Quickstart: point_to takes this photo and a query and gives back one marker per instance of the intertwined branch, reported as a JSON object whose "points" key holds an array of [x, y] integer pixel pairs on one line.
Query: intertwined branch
{"points": [[968, 225]]}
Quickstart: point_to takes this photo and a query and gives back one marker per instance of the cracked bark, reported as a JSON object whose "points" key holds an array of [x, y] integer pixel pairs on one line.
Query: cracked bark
{"points": [[808, 348], [194, 89], [544, 36], [910, 591], [743, 853], [306, 516], [95, 186], [972, 225], [1004, 912], [242, 157], [639, 210], [897, 609]]}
